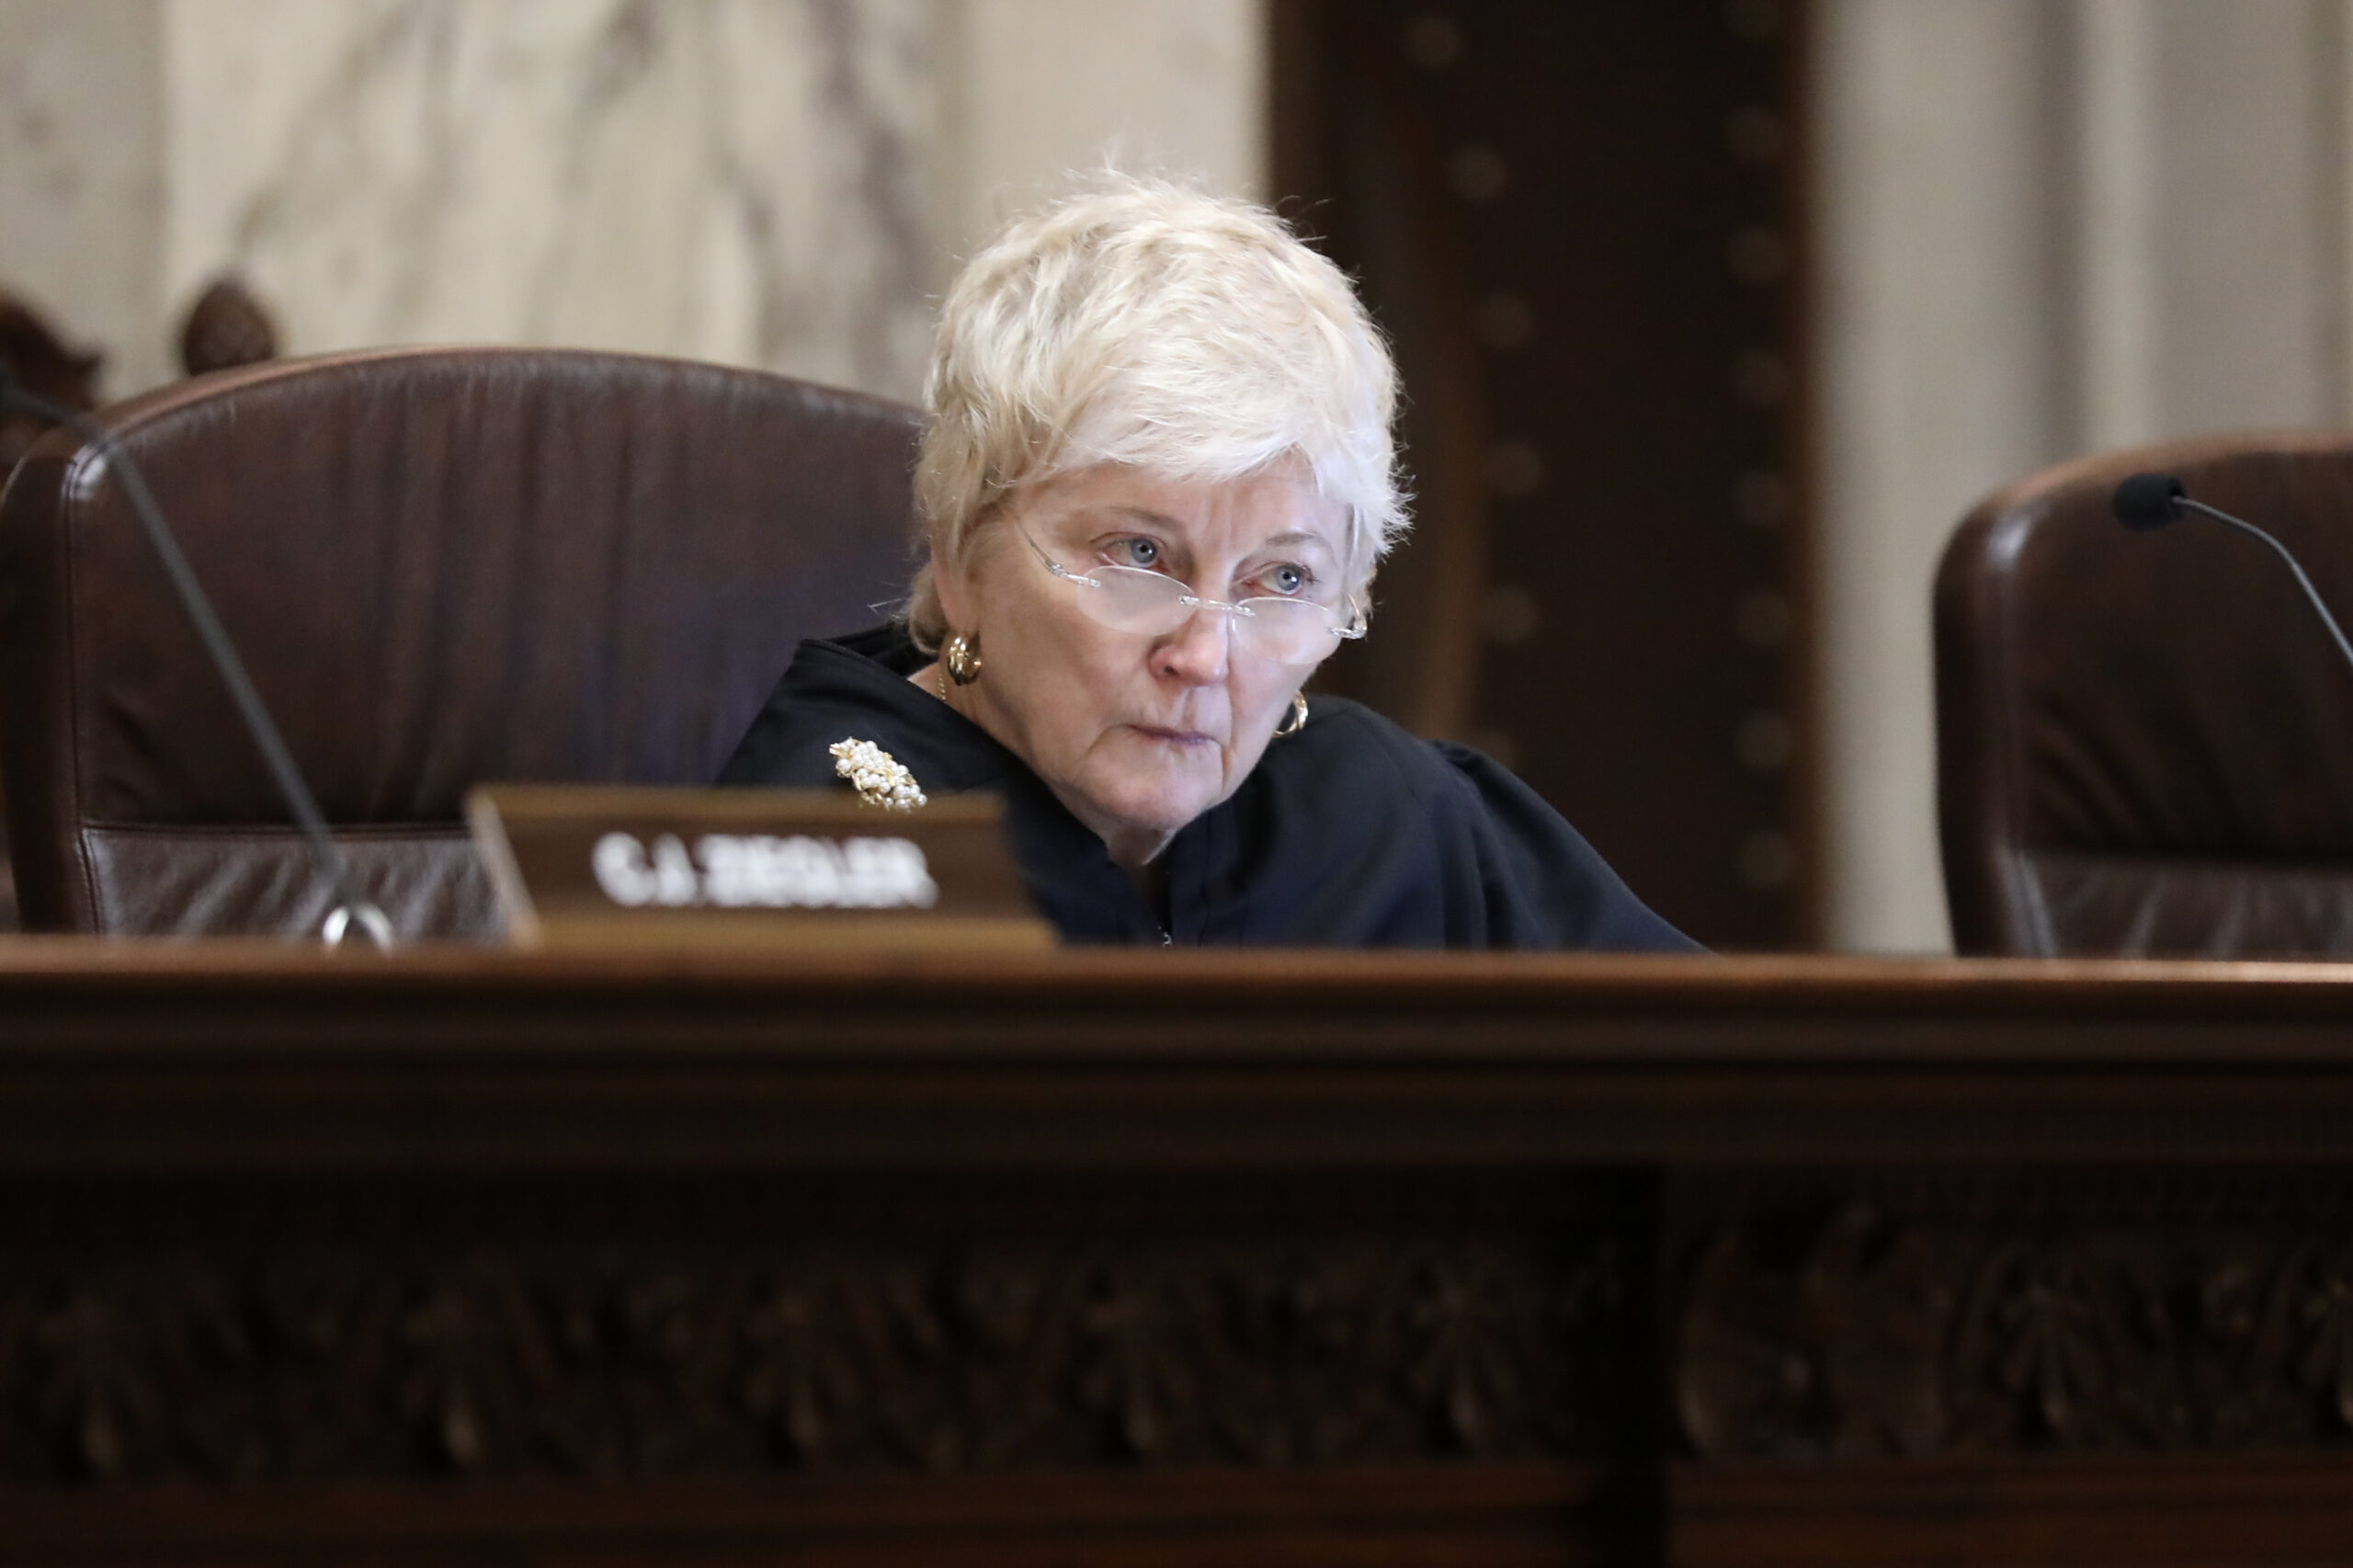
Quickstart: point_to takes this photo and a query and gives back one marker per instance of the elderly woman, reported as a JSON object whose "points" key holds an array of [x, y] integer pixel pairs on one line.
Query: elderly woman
{"points": [[1157, 479]]}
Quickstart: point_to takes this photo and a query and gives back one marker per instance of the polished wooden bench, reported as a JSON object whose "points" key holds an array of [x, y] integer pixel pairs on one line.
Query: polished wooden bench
{"points": [[468, 1256]]}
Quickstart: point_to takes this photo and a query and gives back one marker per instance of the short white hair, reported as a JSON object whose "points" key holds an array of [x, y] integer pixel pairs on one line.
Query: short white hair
{"points": [[1145, 322]]}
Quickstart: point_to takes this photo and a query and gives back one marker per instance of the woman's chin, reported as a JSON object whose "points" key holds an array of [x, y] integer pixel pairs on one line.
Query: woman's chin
{"points": [[1156, 806]]}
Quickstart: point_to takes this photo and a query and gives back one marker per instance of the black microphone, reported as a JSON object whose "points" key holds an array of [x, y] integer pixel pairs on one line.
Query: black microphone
{"points": [[326, 854], [2149, 501], [2146, 501]]}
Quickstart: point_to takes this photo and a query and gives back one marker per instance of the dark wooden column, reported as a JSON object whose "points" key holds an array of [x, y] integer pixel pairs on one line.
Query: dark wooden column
{"points": [[1583, 228]]}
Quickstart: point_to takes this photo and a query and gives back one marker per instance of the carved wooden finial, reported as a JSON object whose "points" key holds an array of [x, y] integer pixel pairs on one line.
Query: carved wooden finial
{"points": [[226, 327]]}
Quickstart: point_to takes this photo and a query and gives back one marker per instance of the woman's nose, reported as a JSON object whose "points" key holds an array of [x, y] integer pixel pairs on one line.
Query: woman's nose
{"points": [[1195, 652]]}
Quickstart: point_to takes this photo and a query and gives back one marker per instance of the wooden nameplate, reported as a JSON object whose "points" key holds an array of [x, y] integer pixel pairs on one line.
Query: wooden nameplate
{"points": [[600, 865]]}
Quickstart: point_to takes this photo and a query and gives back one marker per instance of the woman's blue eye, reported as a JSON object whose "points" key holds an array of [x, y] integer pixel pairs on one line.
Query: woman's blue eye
{"points": [[1286, 580], [1139, 553]]}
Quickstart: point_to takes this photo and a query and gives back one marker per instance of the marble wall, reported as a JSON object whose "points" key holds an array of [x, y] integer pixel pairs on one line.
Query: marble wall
{"points": [[727, 180], [81, 187], [783, 182], [1048, 86]]}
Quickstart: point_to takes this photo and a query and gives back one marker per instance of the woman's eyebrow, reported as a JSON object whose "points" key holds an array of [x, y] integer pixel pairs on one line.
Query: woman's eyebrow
{"points": [[1134, 513], [1141, 513]]}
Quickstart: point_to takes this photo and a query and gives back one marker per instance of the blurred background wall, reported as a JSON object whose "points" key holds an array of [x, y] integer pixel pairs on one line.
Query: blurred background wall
{"points": [[1975, 236], [782, 183]]}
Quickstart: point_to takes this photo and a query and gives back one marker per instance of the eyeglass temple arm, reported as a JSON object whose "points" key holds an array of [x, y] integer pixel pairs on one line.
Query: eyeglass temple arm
{"points": [[1050, 563]]}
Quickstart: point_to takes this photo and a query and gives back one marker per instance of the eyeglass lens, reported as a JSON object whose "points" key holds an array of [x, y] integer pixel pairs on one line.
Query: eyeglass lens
{"points": [[1153, 604]]}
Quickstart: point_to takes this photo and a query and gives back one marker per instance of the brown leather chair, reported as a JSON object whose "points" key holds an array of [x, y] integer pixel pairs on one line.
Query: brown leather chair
{"points": [[441, 566], [2145, 741]]}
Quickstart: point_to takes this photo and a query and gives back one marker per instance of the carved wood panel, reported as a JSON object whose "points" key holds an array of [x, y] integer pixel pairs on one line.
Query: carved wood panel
{"points": [[255, 1332], [2089, 1311]]}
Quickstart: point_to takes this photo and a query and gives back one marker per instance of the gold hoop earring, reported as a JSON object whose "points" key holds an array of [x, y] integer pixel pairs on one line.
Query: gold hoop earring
{"points": [[962, 658], [1298, 720]]}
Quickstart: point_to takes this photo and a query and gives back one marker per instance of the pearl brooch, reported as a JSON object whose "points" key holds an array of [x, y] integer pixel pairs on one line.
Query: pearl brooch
{"points": [[880, 780]]}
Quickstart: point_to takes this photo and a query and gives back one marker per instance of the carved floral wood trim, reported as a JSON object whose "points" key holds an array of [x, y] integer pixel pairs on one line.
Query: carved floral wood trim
{"points": [[1887, 1317], [257, 1334], [255, 1329]]}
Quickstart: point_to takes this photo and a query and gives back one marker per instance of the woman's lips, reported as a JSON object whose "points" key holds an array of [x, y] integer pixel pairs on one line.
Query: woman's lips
{"points": [[1174, 737]]}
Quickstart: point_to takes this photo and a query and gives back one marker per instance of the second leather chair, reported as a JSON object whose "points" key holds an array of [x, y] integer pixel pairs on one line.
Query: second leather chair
{"points": [[2146, 740]]}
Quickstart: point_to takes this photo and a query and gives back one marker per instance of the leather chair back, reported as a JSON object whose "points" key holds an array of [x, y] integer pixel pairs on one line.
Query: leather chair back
{"points": [[2145, 741], [441, 566]]}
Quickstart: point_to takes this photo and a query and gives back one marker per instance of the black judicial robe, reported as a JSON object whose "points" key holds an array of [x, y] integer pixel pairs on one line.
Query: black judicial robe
{"points": [[1350, 832]]}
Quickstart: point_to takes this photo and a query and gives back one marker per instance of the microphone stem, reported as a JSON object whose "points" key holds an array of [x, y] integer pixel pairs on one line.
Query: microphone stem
{"points": [[326, 854], [2203, 510]]}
